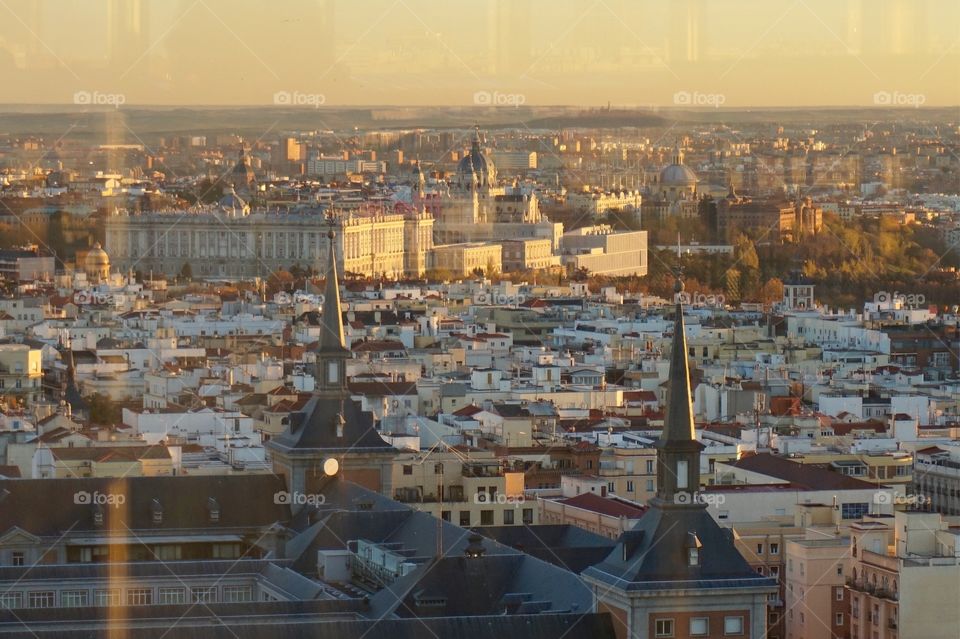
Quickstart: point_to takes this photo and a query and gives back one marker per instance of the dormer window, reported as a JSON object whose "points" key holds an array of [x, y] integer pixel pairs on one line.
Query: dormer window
{"points": [[693, 547], [213, 510]]}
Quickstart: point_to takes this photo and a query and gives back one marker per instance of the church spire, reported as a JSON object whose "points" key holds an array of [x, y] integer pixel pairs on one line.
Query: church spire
{"points": [[678, 454], [331, 332], [679, 418], [332, 352]]}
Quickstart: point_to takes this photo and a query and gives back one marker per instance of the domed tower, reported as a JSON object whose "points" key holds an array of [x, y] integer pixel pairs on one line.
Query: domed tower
{"points": [[677, 180], [242, 176], [96, 264], [476, 168]]}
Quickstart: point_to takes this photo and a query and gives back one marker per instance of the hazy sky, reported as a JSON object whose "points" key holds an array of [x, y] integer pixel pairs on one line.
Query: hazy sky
{"points": [[736, 53]]}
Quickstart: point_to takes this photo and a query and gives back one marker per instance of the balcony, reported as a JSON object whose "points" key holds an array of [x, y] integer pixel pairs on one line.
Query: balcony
{"points": [[415, 496], [872, 589], [482, 470]]}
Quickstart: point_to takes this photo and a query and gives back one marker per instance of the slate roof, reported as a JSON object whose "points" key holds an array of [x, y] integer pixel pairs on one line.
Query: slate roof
{"points": [[46, 507], [197, 625], [808, 476], [314, 427], [655, 551]]}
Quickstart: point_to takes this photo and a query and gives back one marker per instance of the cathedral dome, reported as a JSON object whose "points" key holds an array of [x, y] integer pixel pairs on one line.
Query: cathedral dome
{"points": [[96, 258], [477, 163], [677, 175]]}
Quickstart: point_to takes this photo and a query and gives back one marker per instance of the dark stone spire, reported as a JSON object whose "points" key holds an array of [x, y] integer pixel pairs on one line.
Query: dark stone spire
{"points": [[678, 455], [331, 329], [332, 352]]}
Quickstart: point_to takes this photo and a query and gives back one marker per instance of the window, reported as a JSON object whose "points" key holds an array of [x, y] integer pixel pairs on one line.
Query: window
{"points": [[664, 628], [629, 486], [464, 517], [649, 466], [681, 473], [237, 593], [445, 515], [11, 600], [167, 552], [17, 559], [723, 514], [226, 551], [74, 598], [140, 596], [759, 549], [438, 469], [104, 598], [699, 627], [40, 599], [838, 620], [528, 516], [170, 595], [839, 593], [693, 556], [854, 511], [203, 594], [407, 469], [508, 518], [774, 549], [774, 571], [486, 517], [733, 625]]}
